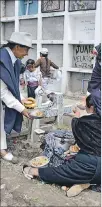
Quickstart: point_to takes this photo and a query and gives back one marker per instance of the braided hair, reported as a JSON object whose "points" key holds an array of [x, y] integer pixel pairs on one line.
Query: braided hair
{"points": [[46, 58]]}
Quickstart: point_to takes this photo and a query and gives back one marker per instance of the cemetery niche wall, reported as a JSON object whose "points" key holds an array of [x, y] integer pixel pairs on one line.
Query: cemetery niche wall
{"points": [[8, 28], [81, 5], [82, 29], [82, 57]]}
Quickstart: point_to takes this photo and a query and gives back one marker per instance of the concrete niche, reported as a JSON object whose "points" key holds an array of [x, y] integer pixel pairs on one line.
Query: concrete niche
{"points": [[9, 8], [52, 28], [55, 53], [9, 27], [29, 25]]}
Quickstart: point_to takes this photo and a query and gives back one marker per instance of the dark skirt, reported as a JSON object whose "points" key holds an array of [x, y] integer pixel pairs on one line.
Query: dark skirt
{"points": [[83, 168], [31, 91]]}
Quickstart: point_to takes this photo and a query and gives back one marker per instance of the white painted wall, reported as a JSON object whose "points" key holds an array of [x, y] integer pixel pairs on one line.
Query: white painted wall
{"points": [[29, 25], [84, 28], [98, 23], [58, 31]]}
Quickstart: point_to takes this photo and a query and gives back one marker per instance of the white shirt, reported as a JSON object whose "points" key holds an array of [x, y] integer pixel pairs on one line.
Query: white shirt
{"points": [[32, 76], [6, 96], [13, 58]]}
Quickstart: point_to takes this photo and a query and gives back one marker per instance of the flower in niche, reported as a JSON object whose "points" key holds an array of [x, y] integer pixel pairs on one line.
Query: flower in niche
{"points": [[93, 53]]}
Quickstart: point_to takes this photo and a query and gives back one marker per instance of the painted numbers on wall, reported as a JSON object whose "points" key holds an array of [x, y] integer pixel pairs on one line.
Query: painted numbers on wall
{"points": [[81, 56]]}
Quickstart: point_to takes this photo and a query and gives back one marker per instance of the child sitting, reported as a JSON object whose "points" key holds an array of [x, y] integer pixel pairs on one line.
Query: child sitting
{"points": [[32, 77]]}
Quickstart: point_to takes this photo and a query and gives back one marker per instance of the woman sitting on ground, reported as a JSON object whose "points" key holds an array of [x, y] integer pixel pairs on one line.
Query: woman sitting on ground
{"points": [[85, 167]]}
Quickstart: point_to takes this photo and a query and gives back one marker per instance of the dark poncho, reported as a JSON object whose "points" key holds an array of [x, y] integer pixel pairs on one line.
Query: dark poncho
{"points": [[96, 97], [87, 133], [10, 76]]}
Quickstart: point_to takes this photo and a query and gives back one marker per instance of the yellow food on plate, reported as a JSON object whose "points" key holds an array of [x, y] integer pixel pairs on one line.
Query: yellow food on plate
{"points": [[28, 102], [32, 99], [39, 114], [39, 161], [30, 106]]}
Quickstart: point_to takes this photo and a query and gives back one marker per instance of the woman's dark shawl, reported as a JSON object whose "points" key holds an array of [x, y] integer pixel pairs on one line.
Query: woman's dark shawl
{"points": [[87, 133]]}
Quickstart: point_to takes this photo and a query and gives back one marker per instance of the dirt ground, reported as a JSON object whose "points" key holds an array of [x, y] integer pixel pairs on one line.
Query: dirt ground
{"points": [[19, 191]]}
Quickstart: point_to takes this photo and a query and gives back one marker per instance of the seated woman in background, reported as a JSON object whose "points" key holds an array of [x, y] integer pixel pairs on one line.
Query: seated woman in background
{"points": [[85, 167], [33, 77]]}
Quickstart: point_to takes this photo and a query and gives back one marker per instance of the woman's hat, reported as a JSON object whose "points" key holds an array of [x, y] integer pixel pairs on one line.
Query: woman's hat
{"points": [[44, 51], [21, 38]]}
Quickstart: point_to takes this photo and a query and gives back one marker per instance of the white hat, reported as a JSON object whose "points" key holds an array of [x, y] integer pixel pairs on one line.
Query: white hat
{"points": [[44, 51], [21, 38]]}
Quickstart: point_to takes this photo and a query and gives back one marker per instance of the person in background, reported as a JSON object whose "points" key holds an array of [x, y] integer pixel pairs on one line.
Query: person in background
{"points": [[95, 82], [85, 166], [12, 108], [45, 63], [33, 77]]}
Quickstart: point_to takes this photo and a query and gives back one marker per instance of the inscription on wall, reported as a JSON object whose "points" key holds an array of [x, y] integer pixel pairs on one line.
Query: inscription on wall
{"points": [[81, 56], [86, 28]]}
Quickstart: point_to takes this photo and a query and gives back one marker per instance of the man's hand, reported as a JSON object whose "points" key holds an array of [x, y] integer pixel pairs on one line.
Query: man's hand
{"points": [[24, 100], [26, 113]]}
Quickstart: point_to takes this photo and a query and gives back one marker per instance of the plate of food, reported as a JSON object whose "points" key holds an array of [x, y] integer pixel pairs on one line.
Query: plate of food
{"points": [[37, 114], [39, 162]]}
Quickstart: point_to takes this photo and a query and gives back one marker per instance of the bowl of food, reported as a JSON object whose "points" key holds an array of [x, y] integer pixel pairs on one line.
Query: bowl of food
{"points": [[30, 103], [37, 114], [39, 162]]}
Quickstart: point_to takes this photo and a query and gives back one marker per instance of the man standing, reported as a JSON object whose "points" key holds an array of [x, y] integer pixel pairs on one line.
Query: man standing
{"points": [[10, 66]]}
